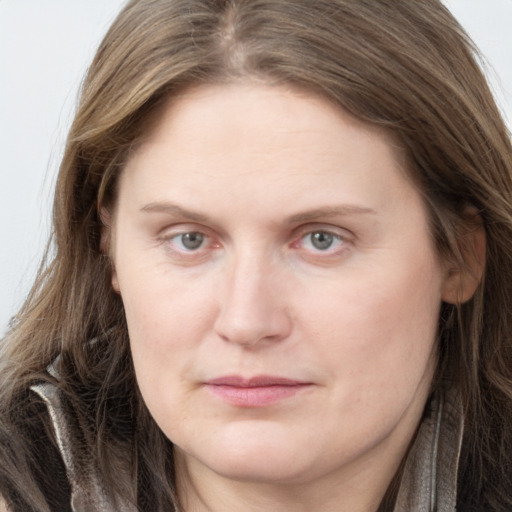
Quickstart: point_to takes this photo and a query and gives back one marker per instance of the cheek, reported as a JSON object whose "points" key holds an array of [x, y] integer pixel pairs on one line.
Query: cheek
{"points": [[377, 326], [168, 318], [167, 327], [160, 304], [375, 341]]}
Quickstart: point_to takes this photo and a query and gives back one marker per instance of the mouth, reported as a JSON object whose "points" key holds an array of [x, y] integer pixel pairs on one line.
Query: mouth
{"points": [[258, 391]]}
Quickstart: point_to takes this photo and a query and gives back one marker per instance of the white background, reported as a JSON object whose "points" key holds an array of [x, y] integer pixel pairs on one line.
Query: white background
{"points": [[45, 47]]}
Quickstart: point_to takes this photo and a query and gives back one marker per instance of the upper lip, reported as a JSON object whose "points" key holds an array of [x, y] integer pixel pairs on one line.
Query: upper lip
{"points": [[254, 382]]}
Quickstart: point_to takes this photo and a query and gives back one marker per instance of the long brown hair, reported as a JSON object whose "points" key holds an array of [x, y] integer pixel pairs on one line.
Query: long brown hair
{"points": [[405, 65]]}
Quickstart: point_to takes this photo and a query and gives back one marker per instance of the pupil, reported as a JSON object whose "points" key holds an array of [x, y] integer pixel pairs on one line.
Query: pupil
{"points": [[322, 240], [192, 240]]}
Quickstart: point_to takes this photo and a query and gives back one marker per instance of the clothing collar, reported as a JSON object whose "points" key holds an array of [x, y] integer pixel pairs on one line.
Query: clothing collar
{"points": [[429, 479]]}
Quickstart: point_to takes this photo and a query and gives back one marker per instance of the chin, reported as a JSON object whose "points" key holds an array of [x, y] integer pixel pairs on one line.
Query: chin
{"points": [[263, 457], [264, 468]]}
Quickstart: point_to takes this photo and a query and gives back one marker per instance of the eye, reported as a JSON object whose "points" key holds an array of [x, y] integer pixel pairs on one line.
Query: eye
{"points": [[190, 241], [321, 241], [186, 245]]}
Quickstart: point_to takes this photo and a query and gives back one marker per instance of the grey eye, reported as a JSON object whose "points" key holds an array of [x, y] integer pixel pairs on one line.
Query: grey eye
{"points": [[191, 241], [321, 240]]}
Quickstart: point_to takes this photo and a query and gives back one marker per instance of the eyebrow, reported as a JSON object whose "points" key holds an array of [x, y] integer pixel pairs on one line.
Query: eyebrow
{"points": [[174, 210], [329, 212], [306, 216]]}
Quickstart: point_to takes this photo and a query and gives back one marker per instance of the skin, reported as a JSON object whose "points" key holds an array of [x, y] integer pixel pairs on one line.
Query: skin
{"points": [[256, 170]]}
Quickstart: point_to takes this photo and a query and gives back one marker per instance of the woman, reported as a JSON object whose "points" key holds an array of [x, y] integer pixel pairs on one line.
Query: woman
{"points": [[267, 292]]}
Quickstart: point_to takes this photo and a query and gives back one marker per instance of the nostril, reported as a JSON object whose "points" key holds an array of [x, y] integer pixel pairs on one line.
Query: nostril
{"points": [[253, 325]]}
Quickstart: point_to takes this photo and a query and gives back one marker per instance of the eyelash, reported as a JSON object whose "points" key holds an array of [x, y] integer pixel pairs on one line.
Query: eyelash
{"points": [[337, 239], [170, 241]]}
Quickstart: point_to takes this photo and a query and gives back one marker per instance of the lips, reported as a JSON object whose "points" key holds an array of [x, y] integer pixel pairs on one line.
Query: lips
{"points": [[258, 391]]}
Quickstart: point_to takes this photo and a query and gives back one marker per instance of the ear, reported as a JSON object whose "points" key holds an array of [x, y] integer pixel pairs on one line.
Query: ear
{"points": [[106, 243], [461, 283]]}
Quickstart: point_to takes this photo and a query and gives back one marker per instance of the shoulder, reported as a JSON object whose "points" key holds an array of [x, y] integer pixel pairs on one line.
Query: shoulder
{"points": [[32, 470], [56, 451]]}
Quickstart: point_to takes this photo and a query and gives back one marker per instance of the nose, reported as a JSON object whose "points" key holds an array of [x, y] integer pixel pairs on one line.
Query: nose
{"points": [[253, 305]]}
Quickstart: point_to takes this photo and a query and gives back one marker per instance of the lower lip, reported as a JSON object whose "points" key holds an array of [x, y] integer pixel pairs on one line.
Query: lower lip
{"points": [[257, 396]]}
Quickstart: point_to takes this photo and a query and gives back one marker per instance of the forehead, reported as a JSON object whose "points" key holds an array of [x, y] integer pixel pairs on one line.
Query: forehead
{"points": [[263, 143], [252, 117]]}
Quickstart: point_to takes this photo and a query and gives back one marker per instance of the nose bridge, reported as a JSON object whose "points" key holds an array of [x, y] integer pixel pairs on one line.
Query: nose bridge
{"points": [[252, 306]]}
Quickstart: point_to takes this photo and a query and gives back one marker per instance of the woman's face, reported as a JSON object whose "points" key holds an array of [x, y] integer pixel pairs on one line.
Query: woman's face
{"points": [[280, 284]]}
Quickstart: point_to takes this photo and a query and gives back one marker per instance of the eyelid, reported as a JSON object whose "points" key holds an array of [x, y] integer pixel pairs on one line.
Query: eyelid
{"points": [[327, 228], [345, 235], [212, 239], [167, 234], [179, 239], [181, 228]]}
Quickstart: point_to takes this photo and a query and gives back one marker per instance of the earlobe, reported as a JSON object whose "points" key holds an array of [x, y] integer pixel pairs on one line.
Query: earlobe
{"points": [[106, 243], [461, 283], [114, 280]]}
